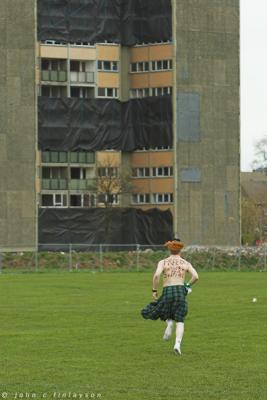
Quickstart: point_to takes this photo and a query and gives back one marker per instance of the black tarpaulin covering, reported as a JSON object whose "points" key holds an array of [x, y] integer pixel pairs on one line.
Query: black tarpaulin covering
{"points": [[72, 124], [100, 225], [119, 21], [146, 21], [79, 20]]}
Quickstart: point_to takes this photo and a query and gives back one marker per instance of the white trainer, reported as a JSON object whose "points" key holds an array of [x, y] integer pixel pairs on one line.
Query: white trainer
{"points": [[177, 349]]}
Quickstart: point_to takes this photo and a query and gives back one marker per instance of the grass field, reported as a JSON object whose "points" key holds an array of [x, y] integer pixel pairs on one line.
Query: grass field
{"points": [[79, 335]]}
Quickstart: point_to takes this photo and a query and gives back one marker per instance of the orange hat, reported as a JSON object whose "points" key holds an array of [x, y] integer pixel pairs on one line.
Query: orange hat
{"points": [[174, 245]]}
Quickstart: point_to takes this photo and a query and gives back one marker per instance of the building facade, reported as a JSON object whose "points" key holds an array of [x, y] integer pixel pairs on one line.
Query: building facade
{"points": [[154, 105]]}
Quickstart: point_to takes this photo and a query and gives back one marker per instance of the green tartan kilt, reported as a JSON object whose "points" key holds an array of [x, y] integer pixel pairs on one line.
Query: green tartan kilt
{"points": [[171, 305]]}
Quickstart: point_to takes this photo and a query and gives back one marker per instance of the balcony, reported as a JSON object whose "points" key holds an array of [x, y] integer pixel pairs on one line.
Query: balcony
{"points": [[82, 77], [54, 76], [81, 184], [54, 184]]}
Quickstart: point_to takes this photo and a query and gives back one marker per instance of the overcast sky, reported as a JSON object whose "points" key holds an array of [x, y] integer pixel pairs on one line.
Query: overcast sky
{"points": [[253, 77]]}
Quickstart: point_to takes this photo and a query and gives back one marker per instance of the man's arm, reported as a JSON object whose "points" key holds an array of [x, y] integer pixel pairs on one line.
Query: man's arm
{"points": [[194, 275], [156, 278]]}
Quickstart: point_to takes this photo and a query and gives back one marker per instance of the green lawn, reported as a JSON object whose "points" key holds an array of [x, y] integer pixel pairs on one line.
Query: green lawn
{"points": [[82, 334]]}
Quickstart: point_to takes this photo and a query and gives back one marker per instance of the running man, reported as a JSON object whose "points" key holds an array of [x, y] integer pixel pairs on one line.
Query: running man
{"points": [[171, 306]]}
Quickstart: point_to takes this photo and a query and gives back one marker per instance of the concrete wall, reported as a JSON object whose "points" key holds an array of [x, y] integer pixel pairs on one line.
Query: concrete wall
{"points": [[17, 124], [206, 103]]}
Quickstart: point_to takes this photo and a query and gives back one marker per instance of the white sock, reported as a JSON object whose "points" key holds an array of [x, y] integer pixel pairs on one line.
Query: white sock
{"points": [[179, 332], [169, 323]]}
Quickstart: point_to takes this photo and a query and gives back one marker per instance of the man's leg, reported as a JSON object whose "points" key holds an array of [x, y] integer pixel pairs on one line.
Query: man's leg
{"points": [[168, 330], [179, 337]]}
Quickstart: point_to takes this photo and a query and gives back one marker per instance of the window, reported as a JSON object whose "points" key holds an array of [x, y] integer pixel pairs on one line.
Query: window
{"points": [[77, 173], [162, 171], [141, 198], [82, 92], [141, 172], [54, 173], [82, 44], [53, 91], [54, 200], [145, 92], [156, 148], [53, 42], [82, 200], [139, 66], [107, 66], [162, 198], [75, 200], [139, 93], [107, 92], [108, 198], [53, 65], [108, 171], [47, 200], [162, 65], [161, 91], [162, 148], [89, 200]]}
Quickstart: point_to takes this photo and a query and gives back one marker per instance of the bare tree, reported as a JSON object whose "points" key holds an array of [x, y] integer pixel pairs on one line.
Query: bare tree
{"points": [[252, 221], [111, 182], [260, 161]]}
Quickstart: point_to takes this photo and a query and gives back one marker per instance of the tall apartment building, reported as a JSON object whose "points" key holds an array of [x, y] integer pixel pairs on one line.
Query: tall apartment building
{"points": [[95, 90]]}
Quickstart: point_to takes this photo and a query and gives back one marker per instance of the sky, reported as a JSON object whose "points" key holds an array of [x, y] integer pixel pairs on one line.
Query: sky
{"points": [[253, 77]]}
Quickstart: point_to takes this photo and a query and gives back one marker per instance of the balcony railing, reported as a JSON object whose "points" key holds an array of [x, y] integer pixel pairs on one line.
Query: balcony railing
{"points": [[54, 76], [81, 184], [54, 184], [64, 184], [82, 77]]}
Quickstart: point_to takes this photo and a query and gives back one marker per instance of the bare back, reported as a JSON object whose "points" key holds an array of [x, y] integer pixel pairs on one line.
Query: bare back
{"points": [[174, 270]]}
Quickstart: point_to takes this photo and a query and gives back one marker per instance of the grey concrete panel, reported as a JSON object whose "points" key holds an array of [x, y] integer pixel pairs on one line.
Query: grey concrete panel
{"points": [[188, 117], [20, 176], [3, 232], [28, 205], [207, 39], [3, 205], [17, 124], [2, 148], [20, 33], [190, 175], [3, 177]]}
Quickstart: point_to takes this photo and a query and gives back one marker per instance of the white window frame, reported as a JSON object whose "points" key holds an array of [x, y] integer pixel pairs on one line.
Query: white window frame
{"points": [[140, 172], [101, 67], [115, 92], [158, 65], [116, 198], [162, 198], [167, 148], [141, 198], [114, 171], [82, 200], [159, 172], [140, 67], [139, 93], [159, 91], [55, 204], [83, 91]]}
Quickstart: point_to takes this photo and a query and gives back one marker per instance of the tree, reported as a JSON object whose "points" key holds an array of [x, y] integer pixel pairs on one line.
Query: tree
{"points": [[252, 222], [111, 182], [260, 161]]}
